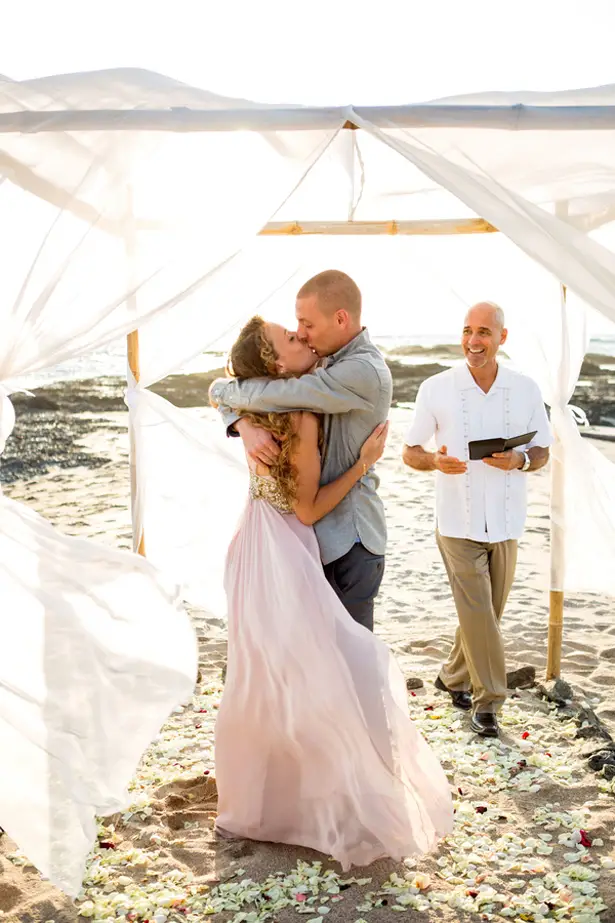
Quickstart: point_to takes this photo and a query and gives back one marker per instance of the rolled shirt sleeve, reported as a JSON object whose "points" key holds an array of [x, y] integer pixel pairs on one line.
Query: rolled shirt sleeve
{"points": [[350, 384]]}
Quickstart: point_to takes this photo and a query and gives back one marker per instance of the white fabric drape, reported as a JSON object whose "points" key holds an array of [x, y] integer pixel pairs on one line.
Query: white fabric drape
{"points": [[192, 487], [89, 634], [167, 443], [572, 256], [96, 649], [583, 480], [191, 479]]}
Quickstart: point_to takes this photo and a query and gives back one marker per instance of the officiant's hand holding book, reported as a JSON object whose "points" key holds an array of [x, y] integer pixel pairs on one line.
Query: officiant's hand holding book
{"points": [[500, 453], [486, 448]]}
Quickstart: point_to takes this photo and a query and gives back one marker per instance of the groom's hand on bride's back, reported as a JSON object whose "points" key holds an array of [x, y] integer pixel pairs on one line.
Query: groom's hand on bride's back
{"points": [[258, 443]]}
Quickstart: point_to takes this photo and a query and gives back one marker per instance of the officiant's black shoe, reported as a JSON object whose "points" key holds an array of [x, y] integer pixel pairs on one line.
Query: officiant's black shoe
{"points": [[485, 724], [462, 700]]}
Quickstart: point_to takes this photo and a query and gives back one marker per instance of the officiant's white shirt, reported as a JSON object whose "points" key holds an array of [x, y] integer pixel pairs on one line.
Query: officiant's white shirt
{"points": [[484, 504]]}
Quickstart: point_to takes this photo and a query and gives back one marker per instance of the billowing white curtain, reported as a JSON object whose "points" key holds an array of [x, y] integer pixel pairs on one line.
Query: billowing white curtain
{"points": [[548, 192], [96, 648], [571, 255], [191, 481], [554, 342], [583, 480], [582, 503], [101, 231], [96, 652]]}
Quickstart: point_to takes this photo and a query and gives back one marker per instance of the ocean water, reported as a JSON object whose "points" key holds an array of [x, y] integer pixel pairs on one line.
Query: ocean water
{"points": [[111, 361]]}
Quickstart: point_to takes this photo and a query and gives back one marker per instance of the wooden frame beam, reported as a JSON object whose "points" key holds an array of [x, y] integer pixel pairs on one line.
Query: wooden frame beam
{"points": [[434, 227]]}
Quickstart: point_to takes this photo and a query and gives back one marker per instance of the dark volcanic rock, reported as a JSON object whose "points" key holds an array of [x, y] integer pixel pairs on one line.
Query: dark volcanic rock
{"points": [[600, 759], [445, 351], [523, 678], [43, 440], [188, 390], [557, 691], [590, 725], [105, 395], [407, 379], [595, 391]]}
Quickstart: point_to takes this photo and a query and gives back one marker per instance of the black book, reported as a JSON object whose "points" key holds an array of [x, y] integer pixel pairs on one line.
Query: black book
{"points": [[484, 448]]}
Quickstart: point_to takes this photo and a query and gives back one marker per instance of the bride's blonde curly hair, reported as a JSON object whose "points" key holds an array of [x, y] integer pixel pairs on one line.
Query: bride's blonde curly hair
{"points": [[253, 356]]}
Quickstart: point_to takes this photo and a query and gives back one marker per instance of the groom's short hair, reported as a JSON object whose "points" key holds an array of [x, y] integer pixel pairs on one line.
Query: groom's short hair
{"points": [[335, 290]]}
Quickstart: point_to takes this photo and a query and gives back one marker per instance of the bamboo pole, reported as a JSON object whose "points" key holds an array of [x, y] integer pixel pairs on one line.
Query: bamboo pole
{"points": [[132, 347], [558, 517], [556, 596], [557, 554], [134, 365]]}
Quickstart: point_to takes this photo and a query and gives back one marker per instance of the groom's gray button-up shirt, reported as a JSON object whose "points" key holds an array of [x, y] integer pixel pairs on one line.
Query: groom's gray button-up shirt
{"points": [[353, 390]]}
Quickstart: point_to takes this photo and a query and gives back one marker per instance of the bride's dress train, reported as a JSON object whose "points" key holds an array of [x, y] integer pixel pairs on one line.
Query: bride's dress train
{"points": [[314, 746]]}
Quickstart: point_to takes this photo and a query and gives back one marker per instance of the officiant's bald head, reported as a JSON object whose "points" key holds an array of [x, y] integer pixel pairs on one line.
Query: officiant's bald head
{"points": [[490, 310], [484, 332]]}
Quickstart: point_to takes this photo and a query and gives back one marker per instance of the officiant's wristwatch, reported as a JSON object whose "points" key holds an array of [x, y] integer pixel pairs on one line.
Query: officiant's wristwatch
{"points": [[527, 461]]}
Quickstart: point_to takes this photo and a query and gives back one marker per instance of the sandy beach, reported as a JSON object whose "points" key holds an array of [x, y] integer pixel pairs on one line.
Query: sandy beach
{"points": [[517, 851]]}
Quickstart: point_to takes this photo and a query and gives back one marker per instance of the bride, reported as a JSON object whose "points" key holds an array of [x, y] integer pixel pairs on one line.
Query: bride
{"points": [[314, 746]]}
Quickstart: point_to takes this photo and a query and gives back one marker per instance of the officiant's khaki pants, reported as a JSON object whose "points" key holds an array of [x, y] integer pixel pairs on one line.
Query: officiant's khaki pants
{"points": [[480, 575]]}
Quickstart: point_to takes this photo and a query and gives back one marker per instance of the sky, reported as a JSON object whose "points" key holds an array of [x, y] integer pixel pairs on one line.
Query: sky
{"points": [[325, 52], [332, 52]]}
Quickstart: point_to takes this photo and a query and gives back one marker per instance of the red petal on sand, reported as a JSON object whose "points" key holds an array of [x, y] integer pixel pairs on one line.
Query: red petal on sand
{"points": [[585, 840], [525, 735]]}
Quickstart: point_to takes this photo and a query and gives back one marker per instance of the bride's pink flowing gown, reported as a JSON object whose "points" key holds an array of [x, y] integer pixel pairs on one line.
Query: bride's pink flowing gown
{"points": [[314, 745]]}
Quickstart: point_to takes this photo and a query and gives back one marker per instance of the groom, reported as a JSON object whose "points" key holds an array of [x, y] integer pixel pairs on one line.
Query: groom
{"points": [[352, 387]]}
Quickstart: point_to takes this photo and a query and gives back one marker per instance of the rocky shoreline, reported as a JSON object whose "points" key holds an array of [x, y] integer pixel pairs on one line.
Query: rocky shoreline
{"points": [[51, 423]]}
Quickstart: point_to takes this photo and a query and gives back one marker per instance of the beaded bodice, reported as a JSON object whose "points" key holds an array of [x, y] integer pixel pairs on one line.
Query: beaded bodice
{"points": [[267, 488]]}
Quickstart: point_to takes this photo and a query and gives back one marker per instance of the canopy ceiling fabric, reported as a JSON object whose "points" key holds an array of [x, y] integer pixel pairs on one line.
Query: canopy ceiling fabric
{"points": [[546, 147]]}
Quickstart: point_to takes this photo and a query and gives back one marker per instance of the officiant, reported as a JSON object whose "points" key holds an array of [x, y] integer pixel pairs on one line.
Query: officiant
{"points": [[480, 504]]}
